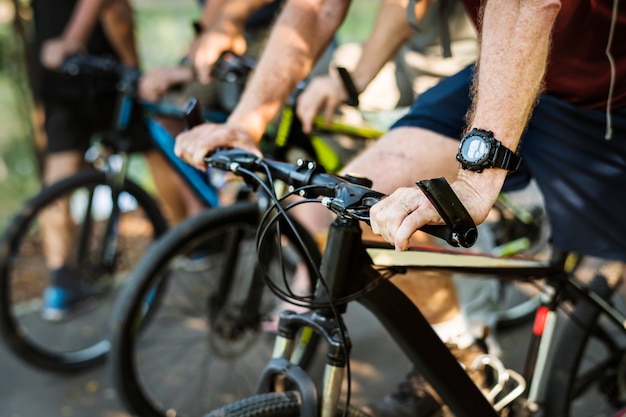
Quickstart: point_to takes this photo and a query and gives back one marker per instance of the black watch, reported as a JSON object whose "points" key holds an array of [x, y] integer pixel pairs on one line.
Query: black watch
{"points": [[479, 150]]}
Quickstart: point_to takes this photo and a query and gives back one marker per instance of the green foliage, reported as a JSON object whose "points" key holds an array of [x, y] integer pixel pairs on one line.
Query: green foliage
{"points": [[164, 34], [359, 21]]}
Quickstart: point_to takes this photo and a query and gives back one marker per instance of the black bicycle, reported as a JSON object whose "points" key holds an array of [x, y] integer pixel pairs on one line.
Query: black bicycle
{"points": [[566, 365]]}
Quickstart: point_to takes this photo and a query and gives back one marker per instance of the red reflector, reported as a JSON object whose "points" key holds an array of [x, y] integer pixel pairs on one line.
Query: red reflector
{"points": [[540, 320]]}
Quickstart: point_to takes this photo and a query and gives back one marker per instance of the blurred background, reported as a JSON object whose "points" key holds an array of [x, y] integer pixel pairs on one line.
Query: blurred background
{"points": [[163, 33]]}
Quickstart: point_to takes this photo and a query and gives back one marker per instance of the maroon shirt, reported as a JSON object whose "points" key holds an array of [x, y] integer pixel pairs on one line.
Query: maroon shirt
{"points": [[579, 69]]}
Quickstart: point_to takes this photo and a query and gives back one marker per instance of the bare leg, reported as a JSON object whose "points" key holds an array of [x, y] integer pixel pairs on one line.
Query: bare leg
{"points": [[175, 195], [117, 22], [56, 223]]}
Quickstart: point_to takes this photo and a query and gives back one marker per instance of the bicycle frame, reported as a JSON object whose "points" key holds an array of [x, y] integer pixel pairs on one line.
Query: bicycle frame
{"points": [[164, 142], [412, 334]]}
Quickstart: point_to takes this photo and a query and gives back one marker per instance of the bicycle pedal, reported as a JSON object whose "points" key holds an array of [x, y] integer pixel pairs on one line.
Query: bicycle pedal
{"points": [[508, 385]]}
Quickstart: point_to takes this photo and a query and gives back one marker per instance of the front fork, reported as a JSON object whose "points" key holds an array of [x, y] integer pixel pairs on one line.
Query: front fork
{"points": [[294, 332], [115, 166], [341, 254]]}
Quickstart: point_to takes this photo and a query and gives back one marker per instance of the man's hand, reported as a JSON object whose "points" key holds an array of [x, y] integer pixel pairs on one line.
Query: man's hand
{"points": [[155, 82], [397, 217], [324, 92], [193, 145], [210, 44], [54, 51]]}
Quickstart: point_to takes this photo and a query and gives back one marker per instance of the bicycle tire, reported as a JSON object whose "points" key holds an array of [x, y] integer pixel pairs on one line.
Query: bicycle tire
{"points": [[274, 404], [588, 362], [518, 308], [145, 349], [80, 342]]}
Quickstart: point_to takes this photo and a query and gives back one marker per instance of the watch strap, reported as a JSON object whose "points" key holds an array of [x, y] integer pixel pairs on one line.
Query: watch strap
{"points": [[506, 158]]}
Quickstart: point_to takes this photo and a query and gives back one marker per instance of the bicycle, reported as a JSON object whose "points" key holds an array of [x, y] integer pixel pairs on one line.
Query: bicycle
{"points": [[356, 270], [114, 220], [140, 362], [229, 314]]}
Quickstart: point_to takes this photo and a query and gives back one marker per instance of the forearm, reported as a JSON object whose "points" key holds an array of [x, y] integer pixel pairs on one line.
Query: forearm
{"points": [[511, 67], [118, 24], [301, 34], [515, 42], [83, 21], [391, 30], [229, 11]]}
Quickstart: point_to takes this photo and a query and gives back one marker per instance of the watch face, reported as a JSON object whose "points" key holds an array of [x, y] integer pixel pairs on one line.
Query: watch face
{"points": [[475, 149]]}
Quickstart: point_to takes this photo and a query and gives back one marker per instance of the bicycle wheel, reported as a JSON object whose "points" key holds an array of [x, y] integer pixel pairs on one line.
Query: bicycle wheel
{"points": [[180, 345], [81, 341], [273, 404], [518, 231], [517, 305], [588, 366]]}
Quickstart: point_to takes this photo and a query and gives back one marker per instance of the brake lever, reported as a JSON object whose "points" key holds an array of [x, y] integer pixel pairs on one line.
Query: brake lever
{"points": [[462, 229]]}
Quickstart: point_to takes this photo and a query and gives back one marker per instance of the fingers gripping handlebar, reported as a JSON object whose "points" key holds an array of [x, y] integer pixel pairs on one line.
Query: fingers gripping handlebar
{"points": [[451, 210], [350, 200]]}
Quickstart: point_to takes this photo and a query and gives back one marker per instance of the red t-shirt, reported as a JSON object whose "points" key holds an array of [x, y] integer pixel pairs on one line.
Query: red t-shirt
{"points": [[579, 69]]}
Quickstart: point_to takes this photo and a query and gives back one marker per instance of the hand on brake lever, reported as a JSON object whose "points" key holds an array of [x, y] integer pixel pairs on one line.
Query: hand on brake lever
{"points": [[406, 210], [194, 144], [401, 214]]}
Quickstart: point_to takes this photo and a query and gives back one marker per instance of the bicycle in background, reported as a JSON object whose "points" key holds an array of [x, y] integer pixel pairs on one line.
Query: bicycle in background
{"points": [[113, 221]]}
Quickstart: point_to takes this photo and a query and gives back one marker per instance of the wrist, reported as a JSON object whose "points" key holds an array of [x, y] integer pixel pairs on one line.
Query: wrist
{"points": [[71, 43], [482, 190], [486, 183], [253, 124]]}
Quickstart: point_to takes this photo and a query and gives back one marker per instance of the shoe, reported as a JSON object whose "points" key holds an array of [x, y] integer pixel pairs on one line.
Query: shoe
{"points": [[61, 303], [415, 397], [197, 261], [202, 257]]}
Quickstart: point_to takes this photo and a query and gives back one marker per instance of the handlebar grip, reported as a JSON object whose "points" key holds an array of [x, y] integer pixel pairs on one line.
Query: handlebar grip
{"points": [[442, 232], [70, 66], [462, 230], [77, 63]]}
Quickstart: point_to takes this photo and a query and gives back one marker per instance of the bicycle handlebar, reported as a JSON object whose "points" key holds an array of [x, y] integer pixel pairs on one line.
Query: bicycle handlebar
{"points": [[100, 65], [128, 85], [342, 195]]}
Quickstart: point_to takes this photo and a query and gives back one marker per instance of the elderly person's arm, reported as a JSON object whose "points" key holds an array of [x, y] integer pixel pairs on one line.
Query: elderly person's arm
{"points": [[515, 41], [302, 32]]}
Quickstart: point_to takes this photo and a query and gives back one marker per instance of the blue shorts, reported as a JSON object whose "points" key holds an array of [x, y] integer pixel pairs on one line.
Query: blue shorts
{"points": [[581, 175]]}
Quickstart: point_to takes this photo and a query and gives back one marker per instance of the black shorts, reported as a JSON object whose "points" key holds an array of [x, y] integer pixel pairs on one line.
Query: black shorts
{"points": [[71, 124], [582, 175]]}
